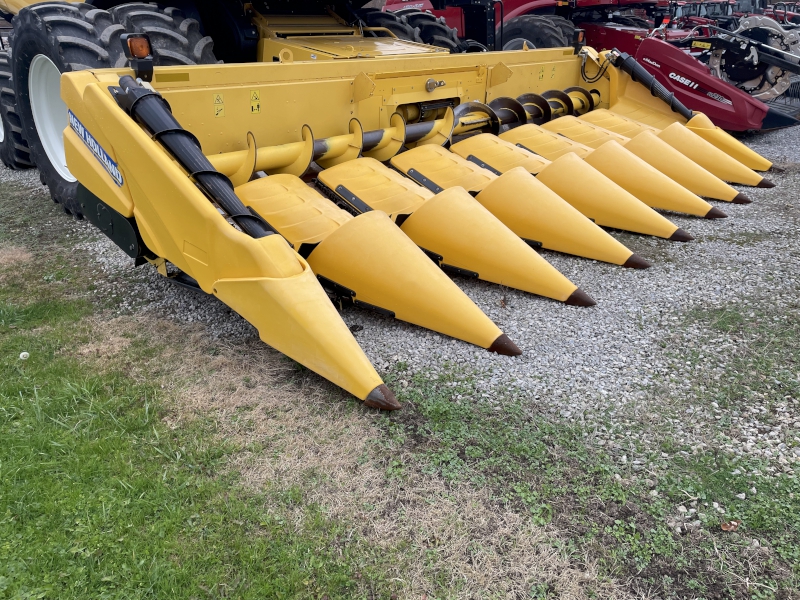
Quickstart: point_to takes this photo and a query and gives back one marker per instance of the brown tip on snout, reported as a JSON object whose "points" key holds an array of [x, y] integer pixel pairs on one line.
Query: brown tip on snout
{"points": [[680, 236], [636, 262], [503, 345], [765, 183], [580, 298], [774, 169], [715, 213], [741, 199], [383, 398]]}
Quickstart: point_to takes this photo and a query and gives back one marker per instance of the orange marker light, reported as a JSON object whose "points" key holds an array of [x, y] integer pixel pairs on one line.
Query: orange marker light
{"points": [[139, 47]]}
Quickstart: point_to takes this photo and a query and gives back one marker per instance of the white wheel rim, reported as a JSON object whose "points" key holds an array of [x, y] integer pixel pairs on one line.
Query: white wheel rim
{"points": [[49, 111], [2, 131]]}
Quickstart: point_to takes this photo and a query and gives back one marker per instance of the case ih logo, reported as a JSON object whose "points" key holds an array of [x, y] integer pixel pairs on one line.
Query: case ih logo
{"points": [[687, 82], [650, 61]]}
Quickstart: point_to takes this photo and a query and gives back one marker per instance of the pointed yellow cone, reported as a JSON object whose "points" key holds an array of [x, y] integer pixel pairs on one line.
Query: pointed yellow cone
{"points": [[603, 201], [702, 126], [542, 142], [711, 158], [454, 226], [537, 214], [369, 256], [681, 169], [457, 227], [645, 182], [372, 257], [532, 210], [523, 204], [294, 315]]}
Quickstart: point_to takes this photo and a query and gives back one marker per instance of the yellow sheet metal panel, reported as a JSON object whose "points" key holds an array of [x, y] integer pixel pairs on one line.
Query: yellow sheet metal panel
{"points": [[499, 154], [601, 199], [534, 212], [544, 143], [582, 132], [372, 256], [615, 123], [644, 181], [708, 156], [456, 226], [679, 168], [702, 126], [297, 211], [443, 168], [381, 188]]}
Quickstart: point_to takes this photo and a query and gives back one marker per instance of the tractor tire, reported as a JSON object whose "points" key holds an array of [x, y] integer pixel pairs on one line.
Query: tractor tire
{"points": [[537, 30], [433, 30], [377, 18], [72, 37], [14, 151], [50, 39], [175, 40], [564, 25]]}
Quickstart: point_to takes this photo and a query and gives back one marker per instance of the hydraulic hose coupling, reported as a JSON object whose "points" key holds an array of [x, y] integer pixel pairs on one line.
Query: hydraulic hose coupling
{"points": [[627, 64], [153, 113]]}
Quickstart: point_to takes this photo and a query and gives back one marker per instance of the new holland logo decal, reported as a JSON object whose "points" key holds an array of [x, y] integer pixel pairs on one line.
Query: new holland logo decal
{"points": [[99, 153]]}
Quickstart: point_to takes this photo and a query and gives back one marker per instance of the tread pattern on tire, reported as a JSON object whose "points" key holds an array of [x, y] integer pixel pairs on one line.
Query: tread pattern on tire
{"points": [[14, 150], [564, 25], [175, 39], [374, 17], [74, 37], [538, 29], [433, 30], [79, 36]]}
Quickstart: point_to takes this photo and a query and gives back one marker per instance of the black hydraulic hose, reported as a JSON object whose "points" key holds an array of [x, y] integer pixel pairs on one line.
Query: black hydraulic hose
{"points": [[625, 62], [150, 110]]}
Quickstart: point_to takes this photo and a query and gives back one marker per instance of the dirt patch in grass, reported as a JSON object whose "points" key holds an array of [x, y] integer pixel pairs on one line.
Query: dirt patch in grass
{"points": [[11, 256]]}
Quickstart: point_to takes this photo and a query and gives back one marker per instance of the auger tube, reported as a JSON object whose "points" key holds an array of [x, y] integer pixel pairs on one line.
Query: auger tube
{"points": [[149, 109]]}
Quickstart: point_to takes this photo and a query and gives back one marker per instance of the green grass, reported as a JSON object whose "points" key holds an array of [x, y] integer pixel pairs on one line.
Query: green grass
{"points": [[98, 499], [544, 467]]}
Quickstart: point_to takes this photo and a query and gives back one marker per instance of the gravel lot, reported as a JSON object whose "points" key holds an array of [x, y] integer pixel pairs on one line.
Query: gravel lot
{"points": [[607, 366]]}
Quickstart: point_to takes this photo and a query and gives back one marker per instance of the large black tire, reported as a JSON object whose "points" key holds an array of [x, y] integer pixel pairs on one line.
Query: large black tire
{"points": [[433, 30], [175, 40], [565, 26], [72, 37], [77, 36], [374, 17], [14, 151], [535, 29]]}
